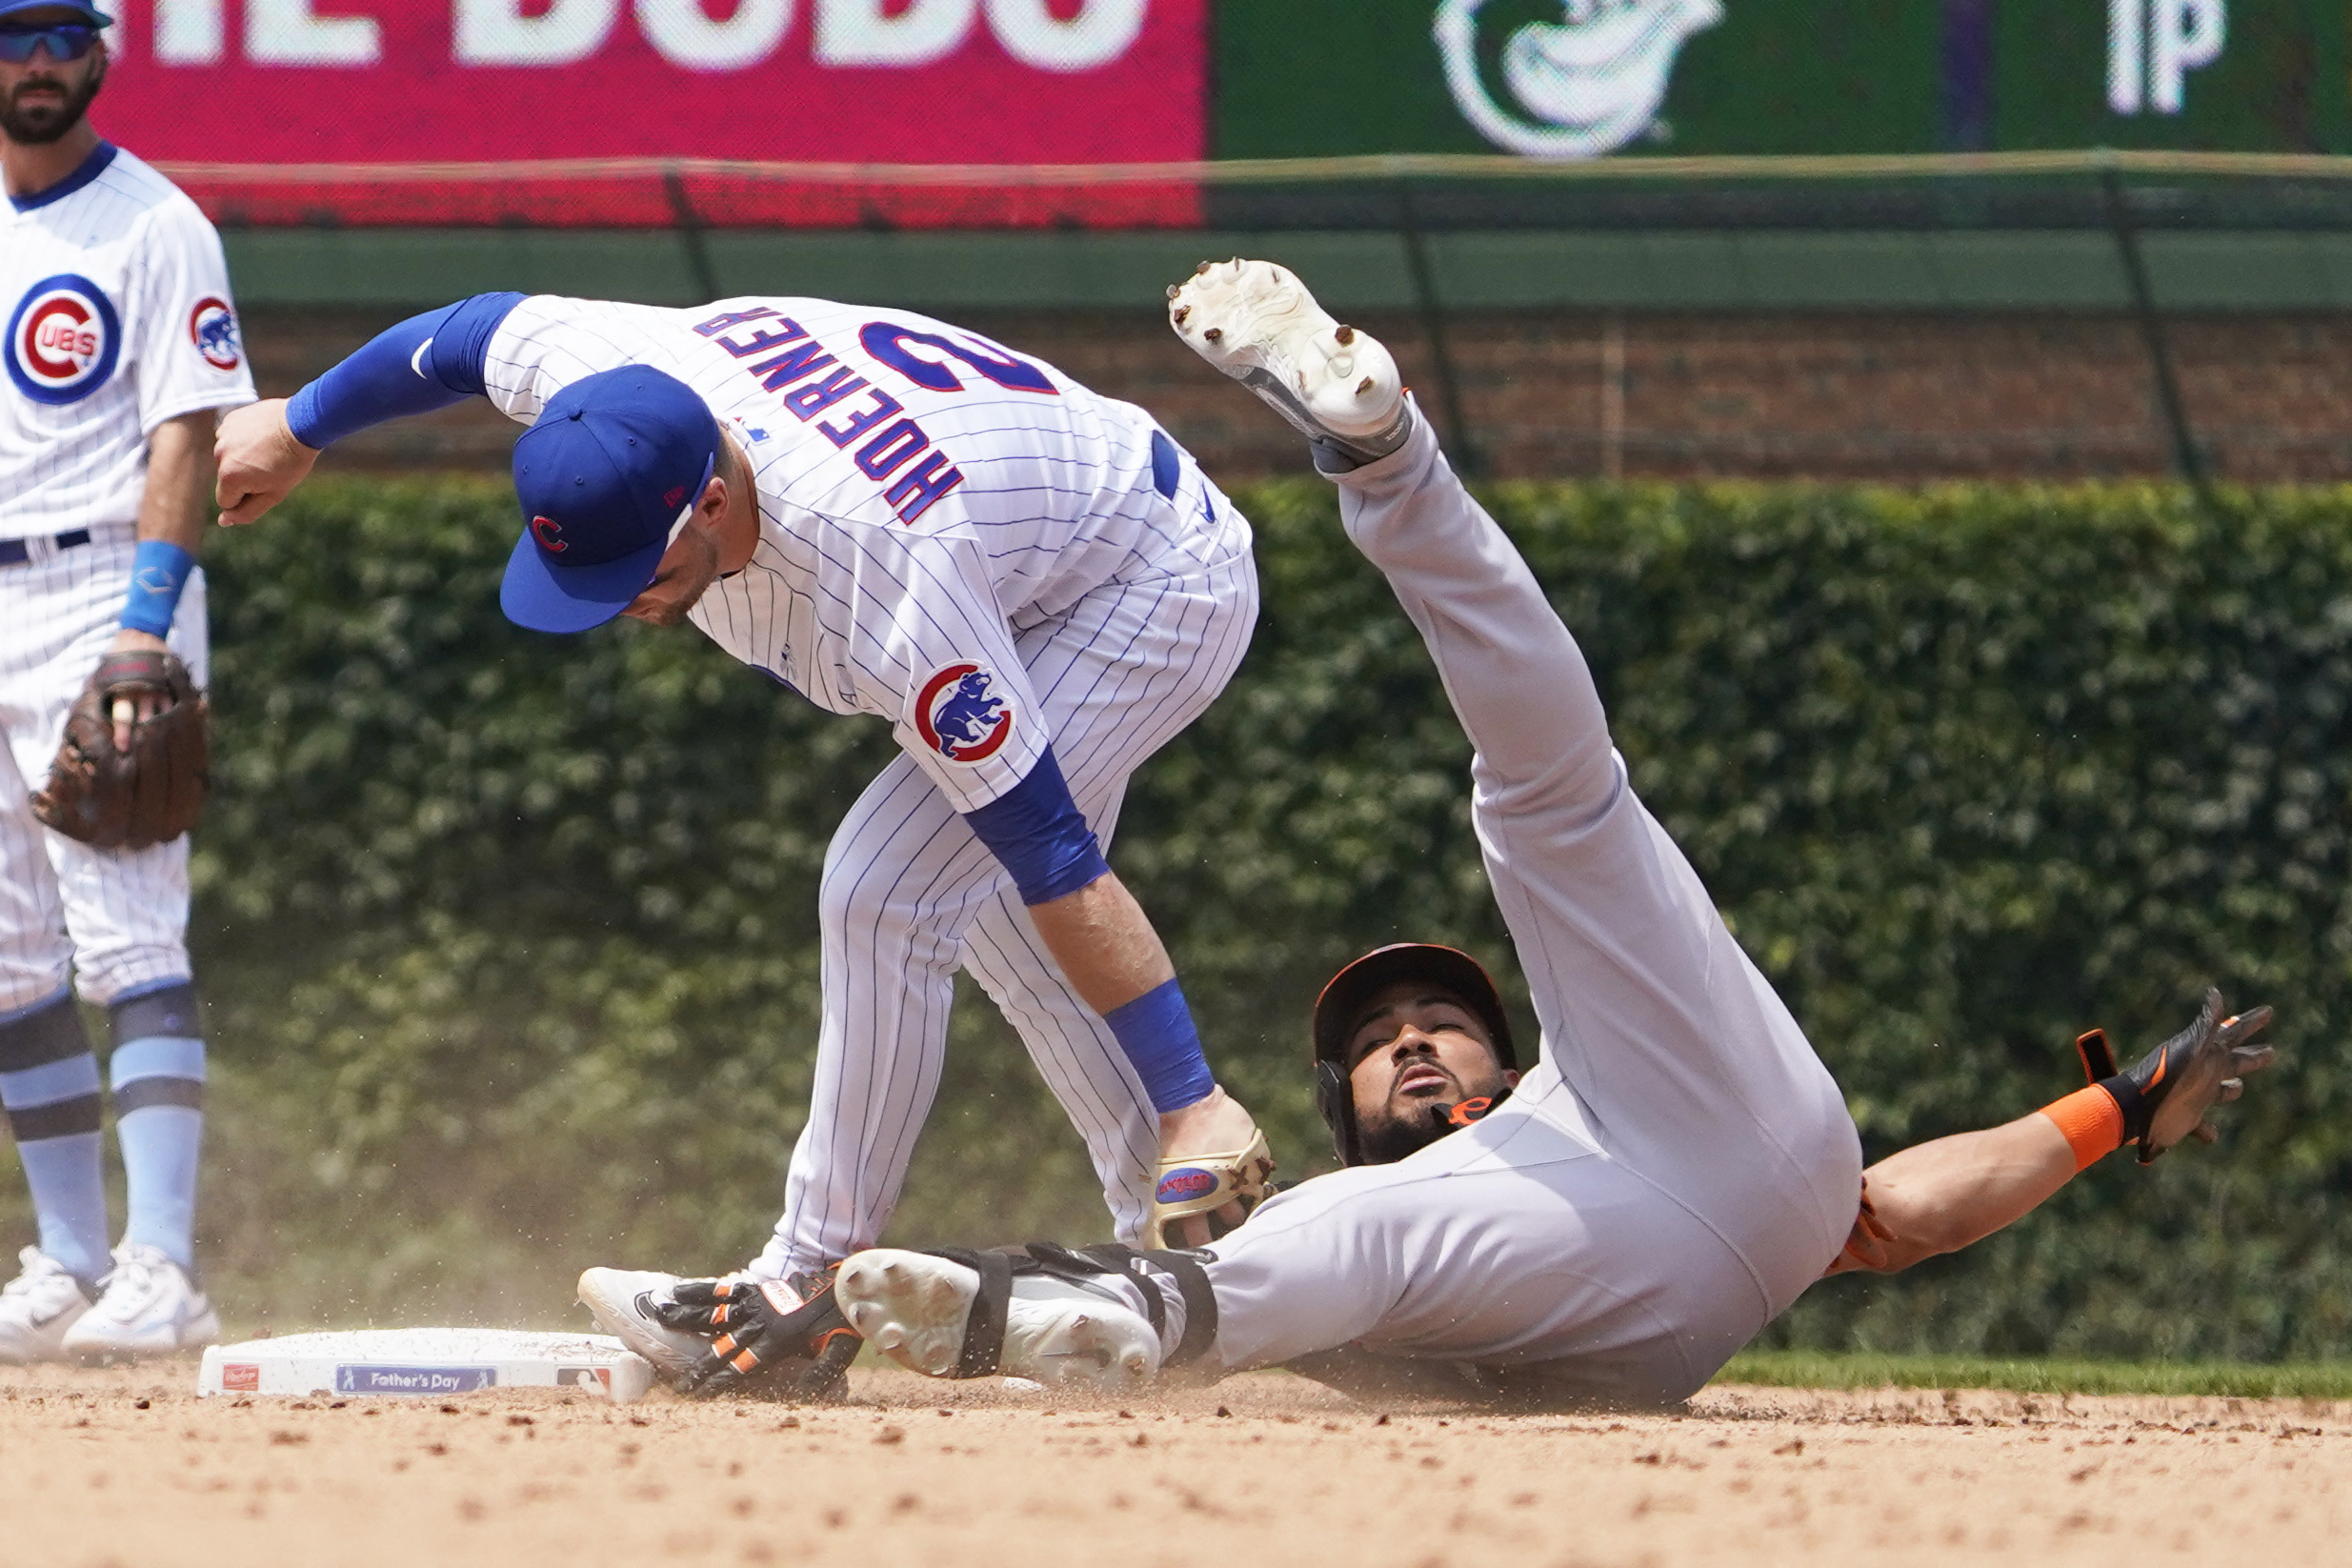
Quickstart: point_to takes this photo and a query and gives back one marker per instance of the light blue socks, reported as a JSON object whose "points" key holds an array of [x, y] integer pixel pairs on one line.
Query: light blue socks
{"points": [[158, 1081]]}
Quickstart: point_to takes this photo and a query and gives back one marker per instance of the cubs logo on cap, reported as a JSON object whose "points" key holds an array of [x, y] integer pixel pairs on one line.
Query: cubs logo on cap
{"points": [[614, 463], [959, 715], [212, 328], [63, 340]]}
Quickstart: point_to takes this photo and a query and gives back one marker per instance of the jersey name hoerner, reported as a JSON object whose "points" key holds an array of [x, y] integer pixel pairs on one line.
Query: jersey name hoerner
{"points": [[924, 494], [115, 302]]}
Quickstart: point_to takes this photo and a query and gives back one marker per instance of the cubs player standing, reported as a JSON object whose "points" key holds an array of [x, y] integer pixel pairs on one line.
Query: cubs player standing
{"points": [[887, 516], [120, 345]]}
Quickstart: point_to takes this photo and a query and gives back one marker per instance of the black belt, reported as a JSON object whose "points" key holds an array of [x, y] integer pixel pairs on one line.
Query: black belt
{"points": [[17, 552]]}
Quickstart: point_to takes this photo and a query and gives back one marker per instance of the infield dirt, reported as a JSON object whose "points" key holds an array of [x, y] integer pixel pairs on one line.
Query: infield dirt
{"points": [[125, 1468]]}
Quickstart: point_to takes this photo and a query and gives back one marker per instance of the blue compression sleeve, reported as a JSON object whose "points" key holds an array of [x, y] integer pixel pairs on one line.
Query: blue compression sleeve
{"points": [[1037, 833], [1156, 1029], [427, 362]]}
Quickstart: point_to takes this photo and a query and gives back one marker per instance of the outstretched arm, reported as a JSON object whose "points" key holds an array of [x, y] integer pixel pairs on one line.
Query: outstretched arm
{"points": [[1939, 1197], [427, 362]]}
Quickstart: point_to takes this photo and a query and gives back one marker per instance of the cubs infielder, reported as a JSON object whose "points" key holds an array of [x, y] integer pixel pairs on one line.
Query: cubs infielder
{"points": [[887, 516], [120, 343], [1674, 1170]]}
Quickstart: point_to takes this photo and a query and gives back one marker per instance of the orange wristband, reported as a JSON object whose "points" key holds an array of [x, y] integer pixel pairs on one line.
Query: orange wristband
{"points": [[2092, 1122]]}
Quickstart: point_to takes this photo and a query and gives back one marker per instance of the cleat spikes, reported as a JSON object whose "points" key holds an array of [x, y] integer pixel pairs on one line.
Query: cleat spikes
{"points": [[1215, 334], [1343, 335], [1182, 311], [1364, 386], [1172, 290], [1199, 270]]}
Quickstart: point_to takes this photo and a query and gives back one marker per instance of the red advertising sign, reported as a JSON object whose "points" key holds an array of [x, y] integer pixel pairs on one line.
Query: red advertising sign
{"points": [[600, 112]]}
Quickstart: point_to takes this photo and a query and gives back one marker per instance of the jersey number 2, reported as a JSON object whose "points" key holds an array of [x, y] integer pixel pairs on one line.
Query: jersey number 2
{"points": [[888, 343]]}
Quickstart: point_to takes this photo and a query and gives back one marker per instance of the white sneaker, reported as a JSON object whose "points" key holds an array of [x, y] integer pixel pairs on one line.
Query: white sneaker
{"points": [[37, 1307], [150, 1307], [1257, 323], [913, 1307], [622, 1301]]}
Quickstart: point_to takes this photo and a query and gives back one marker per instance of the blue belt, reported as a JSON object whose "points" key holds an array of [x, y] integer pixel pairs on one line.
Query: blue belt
{"points": [[17, 552]]}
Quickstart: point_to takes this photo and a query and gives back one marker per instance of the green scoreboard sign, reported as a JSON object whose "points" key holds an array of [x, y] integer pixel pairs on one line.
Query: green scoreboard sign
{"points": [[1593, 78]]}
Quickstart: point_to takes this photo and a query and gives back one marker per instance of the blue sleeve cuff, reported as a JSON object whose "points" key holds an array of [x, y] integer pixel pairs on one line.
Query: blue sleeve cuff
{"points": [[424, 363], [1037, 833], [159, 570], [1157, 1032]]}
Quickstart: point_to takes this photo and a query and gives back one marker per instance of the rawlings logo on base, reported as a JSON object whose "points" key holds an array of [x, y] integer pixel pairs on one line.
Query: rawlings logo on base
{"points": [[959, 715]]}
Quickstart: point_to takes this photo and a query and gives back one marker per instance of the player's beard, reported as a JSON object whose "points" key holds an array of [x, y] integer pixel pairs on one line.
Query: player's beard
{"points": [[41, 124], [1390, 1138]]}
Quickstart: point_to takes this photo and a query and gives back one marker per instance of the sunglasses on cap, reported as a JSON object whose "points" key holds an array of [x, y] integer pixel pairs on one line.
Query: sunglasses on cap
{"points": [[64, 41]]}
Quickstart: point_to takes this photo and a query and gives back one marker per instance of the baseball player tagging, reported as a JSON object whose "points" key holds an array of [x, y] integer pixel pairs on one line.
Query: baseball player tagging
{"points": [[887, 516], [120, 341]]}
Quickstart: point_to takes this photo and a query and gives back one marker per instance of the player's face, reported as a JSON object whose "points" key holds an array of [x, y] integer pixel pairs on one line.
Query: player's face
{"points": [[688, 569], [1415, 1046], [42, 98]]}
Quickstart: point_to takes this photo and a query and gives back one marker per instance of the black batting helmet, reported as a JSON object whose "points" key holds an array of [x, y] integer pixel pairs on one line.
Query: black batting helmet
{"points": [[1344, 996]]}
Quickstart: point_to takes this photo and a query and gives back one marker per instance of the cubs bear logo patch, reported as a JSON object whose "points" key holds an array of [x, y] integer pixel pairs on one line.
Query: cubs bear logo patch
{"points": [[959, 715], [212, 327], [63, 340]]}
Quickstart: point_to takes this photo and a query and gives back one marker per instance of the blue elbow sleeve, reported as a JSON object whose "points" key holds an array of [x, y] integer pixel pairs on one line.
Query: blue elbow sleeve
{"points": [[427, 362], [1037, 833]]}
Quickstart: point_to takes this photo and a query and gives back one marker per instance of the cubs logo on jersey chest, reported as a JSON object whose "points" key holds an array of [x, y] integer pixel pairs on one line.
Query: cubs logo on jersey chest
{"points": [[63, 340]]}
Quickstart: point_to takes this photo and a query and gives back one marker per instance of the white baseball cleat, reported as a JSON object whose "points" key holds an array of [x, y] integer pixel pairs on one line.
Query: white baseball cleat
{"points": [[622, 1301], [915, 1308], [1257, 323], [148, 1306], [37, 1308]]}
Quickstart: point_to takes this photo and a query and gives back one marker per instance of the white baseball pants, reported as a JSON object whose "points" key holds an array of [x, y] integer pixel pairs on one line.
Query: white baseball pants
{"points": [[116, 919], [909, 895]]}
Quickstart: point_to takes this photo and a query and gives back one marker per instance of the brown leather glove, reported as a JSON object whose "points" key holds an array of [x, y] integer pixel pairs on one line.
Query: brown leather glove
{"points": [[153, 792]]}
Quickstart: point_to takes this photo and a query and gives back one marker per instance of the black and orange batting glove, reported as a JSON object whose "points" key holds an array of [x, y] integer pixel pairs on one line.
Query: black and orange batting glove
{"points": [[785, 1338]]}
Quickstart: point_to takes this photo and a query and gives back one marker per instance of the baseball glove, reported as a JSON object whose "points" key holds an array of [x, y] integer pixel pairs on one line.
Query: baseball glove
{"points": [[149, 794]]}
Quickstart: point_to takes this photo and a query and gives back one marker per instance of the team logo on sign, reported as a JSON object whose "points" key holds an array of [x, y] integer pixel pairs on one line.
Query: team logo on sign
{"points": [[1576, 88], [212, 327], [63, 340], [960, 716]]}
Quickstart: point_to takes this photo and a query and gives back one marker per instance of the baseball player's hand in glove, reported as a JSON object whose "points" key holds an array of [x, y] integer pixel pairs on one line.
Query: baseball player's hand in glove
{"points": [[135, 704], [260, 462], [782, 1337], [135, 763], [2165, 1095]]}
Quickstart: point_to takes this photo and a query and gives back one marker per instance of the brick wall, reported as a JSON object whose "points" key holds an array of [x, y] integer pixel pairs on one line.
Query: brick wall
{"points": [[1878, 396]]}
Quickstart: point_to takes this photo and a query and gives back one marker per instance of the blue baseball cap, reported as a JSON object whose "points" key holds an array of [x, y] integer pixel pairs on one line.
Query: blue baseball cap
{"points": [[91, 15], [614, 463]]}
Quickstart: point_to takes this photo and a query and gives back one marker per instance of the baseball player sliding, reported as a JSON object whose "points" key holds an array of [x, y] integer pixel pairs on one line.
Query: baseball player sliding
{"points": [[887, 515], [1674, 1168], [120, 344]]}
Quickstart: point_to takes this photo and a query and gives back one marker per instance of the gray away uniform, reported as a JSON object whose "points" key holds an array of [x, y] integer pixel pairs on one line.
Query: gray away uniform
{"points": [[1676, 1168]]}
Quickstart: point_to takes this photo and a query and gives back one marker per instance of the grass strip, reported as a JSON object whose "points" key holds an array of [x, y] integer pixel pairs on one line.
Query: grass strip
{"points": [[1869, 1369]]}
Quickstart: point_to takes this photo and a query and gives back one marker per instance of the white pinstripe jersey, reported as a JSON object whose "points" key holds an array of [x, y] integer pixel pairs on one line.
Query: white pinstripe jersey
{"points": [[118, 317], [924, 494]]}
